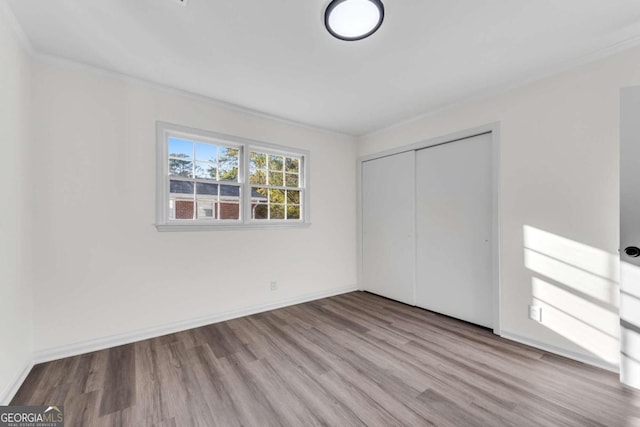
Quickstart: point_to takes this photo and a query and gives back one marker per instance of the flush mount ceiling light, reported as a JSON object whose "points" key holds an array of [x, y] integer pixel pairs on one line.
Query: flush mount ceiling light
{"points": [[353, 20]]}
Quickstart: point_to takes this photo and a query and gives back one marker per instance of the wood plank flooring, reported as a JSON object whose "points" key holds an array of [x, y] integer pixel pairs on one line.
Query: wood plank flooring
{"points": [[350, 360]]}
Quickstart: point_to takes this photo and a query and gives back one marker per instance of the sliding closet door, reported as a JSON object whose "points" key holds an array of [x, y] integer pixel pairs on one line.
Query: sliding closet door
{"points": [[454, 229], [388, 223]]}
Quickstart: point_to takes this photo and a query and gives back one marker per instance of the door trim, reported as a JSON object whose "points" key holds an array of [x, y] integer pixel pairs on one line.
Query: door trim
{"points": [[494, 130], [628, 314]]}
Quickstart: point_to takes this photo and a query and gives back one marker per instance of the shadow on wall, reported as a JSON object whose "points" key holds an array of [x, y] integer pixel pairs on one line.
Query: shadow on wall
{"points": [[577, 287]]}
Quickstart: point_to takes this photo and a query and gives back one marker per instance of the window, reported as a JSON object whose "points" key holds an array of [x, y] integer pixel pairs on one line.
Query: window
{"points": [[207, 180], [203, 180], [275, 186]]}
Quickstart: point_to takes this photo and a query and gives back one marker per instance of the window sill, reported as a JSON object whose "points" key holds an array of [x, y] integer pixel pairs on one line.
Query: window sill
{"points": [[229, 227]]}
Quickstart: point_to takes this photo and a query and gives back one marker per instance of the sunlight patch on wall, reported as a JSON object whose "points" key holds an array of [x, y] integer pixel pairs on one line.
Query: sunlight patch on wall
{"points": [[631, 340], [576, 254], [592, 285], [592, 327], [577, 307], [631, 274], [630, 320], [577, 287]]}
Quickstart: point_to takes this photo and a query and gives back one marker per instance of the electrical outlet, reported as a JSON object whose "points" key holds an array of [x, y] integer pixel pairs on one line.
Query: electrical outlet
{"points": [[535, 313], [274, 285]]}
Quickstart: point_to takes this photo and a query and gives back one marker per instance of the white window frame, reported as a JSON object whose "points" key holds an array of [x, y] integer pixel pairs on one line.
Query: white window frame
{"points": [[163, 223], [301, 182]]}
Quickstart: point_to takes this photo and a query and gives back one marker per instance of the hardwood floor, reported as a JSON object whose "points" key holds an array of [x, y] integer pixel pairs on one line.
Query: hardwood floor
{"points": [[350, 360]]}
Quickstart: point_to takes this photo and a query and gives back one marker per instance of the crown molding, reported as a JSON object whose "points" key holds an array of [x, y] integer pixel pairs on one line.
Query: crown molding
{"points": [[495, 91], [53, 59], [16, 28]]}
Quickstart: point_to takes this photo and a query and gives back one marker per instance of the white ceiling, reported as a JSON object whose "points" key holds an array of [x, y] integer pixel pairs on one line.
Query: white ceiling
{"points": [[276, 57]]}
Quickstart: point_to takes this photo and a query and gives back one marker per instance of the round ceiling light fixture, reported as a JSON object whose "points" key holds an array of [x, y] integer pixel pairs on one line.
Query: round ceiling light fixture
{"points": [[353, 20]]}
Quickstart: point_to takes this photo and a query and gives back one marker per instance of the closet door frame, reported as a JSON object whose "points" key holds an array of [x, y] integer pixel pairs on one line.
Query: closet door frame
{"points": [[494, 130]]}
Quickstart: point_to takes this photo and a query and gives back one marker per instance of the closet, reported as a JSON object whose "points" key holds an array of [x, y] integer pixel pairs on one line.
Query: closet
{"points": [[427, 228]]}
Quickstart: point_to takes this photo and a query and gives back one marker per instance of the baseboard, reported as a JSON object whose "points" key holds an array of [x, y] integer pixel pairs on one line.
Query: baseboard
{"points": [[593, 361], [88, 346], [7, 394]]}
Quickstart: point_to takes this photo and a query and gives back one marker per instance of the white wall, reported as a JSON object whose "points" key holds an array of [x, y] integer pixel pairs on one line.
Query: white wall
{"points": [[15, 290], [102, 267], [560, 186]]}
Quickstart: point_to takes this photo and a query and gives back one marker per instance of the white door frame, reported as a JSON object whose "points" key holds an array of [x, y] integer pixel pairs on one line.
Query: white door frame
{"points": [[494, 129], [629, 236]]}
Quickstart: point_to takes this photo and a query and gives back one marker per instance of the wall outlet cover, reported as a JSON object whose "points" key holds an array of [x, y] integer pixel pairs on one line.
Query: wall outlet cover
{"points": [[535, 313]]}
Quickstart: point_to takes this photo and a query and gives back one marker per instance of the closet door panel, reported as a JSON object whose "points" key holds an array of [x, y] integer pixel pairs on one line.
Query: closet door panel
{"points": [[454, 229], [388, 226]]}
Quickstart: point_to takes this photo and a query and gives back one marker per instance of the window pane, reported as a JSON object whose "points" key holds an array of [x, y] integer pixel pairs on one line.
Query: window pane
{"points": [[276, 196], [180, 148], [259, 195], [206, 209], [205, 170], [293, 197], [258, 177], [203, 189], [276, 211], [230, 191], [229, 210], [276, 163], [275, 178], [260, 211], [293, 212], [184, 209], [292, 180], [206, 152], [257, 161], [182, 168], [180, 187], [228, 164], [257, 168], [293, 165]]}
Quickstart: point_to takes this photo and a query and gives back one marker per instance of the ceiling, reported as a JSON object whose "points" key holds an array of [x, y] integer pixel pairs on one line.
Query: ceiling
{"points": [[276, 57]]}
